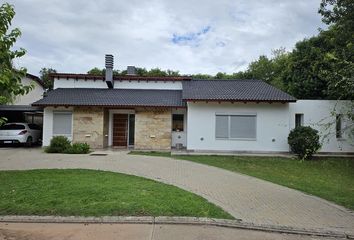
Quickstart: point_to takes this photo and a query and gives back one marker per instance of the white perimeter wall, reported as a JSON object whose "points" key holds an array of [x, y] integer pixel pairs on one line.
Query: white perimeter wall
{"points": [[274, 121], [81, 83], [321, 115]]}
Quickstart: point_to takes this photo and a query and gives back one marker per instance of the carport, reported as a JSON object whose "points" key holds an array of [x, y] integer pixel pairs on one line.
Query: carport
{"points": [[22, 113]]}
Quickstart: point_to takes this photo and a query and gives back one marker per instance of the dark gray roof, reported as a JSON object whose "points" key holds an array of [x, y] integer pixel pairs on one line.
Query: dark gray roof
{"points": [[111, 97], [233, 90]]}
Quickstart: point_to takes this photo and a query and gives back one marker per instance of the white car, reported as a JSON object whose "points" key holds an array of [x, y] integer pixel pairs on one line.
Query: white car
{"points": [[20, 133]]}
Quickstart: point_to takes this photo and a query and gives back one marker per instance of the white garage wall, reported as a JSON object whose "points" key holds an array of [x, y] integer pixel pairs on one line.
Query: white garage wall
{"points": [[321, 115], [272, 127]]}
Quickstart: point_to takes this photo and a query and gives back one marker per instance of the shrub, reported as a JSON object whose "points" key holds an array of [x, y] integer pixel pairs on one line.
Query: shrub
{"points": [[304, 141], [58, 144], [78, 148]]}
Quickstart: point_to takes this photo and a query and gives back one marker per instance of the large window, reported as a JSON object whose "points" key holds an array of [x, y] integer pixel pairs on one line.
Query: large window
{"points": [[235, 126], [62, 123], [177, 122]]}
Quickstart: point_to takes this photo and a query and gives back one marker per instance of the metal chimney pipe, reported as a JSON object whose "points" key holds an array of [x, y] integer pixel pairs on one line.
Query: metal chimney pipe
{"points": [[109, 70]]}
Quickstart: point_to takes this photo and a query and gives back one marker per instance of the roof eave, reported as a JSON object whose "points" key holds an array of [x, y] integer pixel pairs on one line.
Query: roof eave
{"points": [[105, 105], [239, 100]]}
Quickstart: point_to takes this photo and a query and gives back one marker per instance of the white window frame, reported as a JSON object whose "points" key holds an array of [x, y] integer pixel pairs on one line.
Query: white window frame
{"points": [[229, 126], [69, 136]]}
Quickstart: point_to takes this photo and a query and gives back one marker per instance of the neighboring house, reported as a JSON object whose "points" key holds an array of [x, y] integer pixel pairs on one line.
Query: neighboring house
{"points": [[21, 110], [161, 113]]}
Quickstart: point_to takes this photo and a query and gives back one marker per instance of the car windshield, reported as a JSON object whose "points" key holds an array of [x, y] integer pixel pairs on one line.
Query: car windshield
{"points": [[12, 127]]}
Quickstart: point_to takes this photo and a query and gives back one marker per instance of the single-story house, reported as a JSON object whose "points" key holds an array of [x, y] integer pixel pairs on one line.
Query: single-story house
{"points": [[21, 110], [160, 113]]}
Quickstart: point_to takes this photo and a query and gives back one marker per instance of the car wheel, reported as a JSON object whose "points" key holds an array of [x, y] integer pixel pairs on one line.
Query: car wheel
{"points": [[29, 142]]}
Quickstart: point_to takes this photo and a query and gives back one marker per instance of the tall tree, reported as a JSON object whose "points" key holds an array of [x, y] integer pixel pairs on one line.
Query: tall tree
{"points": [[45, 77], [10, 77]]}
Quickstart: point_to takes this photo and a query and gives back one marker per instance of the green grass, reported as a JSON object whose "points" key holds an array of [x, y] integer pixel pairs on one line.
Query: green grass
{"points": [[96, 193], [329, 178]]}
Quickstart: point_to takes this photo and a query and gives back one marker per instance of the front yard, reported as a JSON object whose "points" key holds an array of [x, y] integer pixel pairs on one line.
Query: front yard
{"points": [[96, 193], [328, 178]]}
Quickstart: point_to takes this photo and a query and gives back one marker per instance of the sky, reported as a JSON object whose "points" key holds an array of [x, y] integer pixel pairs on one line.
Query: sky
{"points": [[197, 36]]}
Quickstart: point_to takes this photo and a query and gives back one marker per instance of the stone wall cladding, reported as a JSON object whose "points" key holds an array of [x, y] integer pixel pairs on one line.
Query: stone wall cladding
{"points": [[153, 129], [88, 126]]}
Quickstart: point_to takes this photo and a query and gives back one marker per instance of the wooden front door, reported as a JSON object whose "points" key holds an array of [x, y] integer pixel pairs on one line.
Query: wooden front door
{"points": [[120, 130]]}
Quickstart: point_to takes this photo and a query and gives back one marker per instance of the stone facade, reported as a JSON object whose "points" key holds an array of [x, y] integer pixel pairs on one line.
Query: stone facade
{"points": [[153, 129], [90, 126]]}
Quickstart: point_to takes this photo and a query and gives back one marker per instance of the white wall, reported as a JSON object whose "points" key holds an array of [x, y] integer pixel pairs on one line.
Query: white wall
{"points": [[78, 83], [272, 127], [321, 115], [168, 85], [274, 121], [34, 95], [81, 83], [48, 123]]}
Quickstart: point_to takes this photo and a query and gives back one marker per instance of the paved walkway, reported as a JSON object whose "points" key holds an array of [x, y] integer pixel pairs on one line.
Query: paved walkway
{"points": [[52, 231], [249, 199]]}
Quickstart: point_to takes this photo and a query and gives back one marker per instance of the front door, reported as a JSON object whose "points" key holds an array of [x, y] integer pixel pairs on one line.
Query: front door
{"points": [[120, 130]]}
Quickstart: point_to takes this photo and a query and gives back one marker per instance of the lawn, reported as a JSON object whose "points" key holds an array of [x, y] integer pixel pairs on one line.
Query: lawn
{"points": [[329, 178], [96, 193]]}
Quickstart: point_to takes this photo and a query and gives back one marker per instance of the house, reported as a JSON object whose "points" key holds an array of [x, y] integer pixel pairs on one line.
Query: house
{"points": [[21, 110], [160, 113]]}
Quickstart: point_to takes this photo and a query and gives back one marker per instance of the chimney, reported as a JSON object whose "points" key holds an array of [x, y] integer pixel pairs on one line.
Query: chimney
{"points": [[131, 71], [109, 70]]}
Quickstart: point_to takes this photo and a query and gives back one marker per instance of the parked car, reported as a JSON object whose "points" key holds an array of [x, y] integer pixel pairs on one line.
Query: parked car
{"points": [[24, 133]]}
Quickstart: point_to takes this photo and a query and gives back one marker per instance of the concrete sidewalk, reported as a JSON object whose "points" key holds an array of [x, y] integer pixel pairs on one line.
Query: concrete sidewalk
{"points": [[247, 198], [56, 231]]}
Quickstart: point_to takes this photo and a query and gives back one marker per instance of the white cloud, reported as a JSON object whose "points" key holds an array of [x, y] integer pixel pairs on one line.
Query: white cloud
{"points": [[73, 36]]}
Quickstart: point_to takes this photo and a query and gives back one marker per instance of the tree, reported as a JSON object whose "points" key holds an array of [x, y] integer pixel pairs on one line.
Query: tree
{"points": [[337, 12], [10, 77], [46, 79], [96, 71]]}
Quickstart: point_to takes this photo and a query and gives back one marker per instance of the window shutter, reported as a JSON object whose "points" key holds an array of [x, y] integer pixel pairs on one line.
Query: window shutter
{"points": [[62, 122], [222, 126], [243, 126]]}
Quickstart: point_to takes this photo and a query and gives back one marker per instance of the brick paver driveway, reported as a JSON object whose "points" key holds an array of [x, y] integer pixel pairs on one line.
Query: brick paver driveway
{"points": [[247, 198]]}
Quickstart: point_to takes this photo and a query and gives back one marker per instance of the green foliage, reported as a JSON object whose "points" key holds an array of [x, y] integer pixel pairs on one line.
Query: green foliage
{"points": [[304, 141], [61, 144], [10, 78], [337, 11], [46, 79], [78, 148], [154, 72], [96, 71], [58, 144]]}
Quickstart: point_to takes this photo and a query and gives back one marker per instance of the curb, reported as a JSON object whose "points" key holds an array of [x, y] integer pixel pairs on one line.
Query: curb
{"points": [[175, 220]]}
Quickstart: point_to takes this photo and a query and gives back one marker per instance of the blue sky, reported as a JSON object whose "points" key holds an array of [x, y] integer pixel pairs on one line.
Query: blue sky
{"points": [[189, 36]]}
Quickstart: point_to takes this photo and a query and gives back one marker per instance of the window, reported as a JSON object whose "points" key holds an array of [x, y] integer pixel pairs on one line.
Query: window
{"points": [[235, 126], [339, 128], [12, 126], [299, 119], [62, 122], [34, 126], [177, 122]]}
